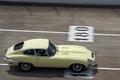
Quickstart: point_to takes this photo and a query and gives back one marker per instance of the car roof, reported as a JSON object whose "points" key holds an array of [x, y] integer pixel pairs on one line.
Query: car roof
{"points": [[36, 44]]}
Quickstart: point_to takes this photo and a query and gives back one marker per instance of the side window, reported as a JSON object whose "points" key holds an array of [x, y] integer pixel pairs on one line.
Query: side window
{"points": [[41, 52], [18, 46], [29, 52]]}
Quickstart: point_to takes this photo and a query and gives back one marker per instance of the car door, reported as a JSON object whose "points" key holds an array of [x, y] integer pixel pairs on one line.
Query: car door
{"points": [[29, 56], [43, 59]]}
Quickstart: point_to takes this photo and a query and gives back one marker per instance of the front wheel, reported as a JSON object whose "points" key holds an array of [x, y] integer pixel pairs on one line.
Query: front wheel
{"points": [[25, 66], [77, 67]]}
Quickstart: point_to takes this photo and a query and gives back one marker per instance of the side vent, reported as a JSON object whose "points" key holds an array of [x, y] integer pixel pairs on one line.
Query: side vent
{"points": [[92, 55]]}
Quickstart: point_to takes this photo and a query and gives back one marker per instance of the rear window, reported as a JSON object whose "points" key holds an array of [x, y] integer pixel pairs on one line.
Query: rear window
{"points": [[18, 46]]}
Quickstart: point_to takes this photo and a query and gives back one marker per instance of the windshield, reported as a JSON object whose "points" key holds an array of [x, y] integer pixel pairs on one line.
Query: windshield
{"points": [[51, 49]]}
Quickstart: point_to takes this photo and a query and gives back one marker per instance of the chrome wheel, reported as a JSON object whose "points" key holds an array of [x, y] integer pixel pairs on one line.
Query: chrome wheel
{"points": [[25, 66], [77, 67]]}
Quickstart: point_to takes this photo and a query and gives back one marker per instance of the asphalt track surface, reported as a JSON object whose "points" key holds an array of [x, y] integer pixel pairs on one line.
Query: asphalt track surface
{"points": [[107, 48]]}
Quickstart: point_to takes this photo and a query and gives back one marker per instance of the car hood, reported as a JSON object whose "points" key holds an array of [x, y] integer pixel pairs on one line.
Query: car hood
{"points": [[73, 50]]}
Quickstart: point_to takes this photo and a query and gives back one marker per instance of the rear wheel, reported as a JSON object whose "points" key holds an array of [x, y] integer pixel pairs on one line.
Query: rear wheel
{"points": [[25, 66], [77, 67]]}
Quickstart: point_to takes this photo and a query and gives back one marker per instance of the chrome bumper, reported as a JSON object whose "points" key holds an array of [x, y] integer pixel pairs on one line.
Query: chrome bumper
{"points": [[7, 59], [91, 63]]}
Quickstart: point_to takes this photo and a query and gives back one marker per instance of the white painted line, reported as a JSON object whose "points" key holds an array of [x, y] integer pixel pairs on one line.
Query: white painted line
{"points": [[100, 34], [2, 64], [33, 31], [103, 68], [54, 32]]}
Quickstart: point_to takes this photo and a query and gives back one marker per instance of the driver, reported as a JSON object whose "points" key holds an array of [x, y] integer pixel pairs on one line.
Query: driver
{"points": [[41, 52]]}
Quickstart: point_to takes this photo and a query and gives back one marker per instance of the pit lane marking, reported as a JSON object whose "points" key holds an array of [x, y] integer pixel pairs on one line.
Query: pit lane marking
{"points": [[52, 32]]}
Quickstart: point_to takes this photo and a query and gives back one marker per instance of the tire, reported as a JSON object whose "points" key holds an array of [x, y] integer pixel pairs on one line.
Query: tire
{"points": [[77, 67], [25, 66]]}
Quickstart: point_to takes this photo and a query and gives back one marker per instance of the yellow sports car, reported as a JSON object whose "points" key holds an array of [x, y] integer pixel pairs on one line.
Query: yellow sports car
{"points": [[42, 53]]}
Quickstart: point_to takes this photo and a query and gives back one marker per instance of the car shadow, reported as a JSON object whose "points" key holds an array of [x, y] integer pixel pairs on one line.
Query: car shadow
{"points": [[37, 72], [88, 73], [53, 72]]}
